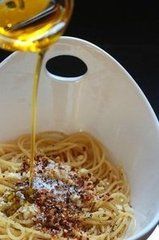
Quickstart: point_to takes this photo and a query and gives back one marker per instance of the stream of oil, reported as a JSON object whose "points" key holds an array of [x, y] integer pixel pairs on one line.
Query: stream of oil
{"points": [[29, 26], [34, 112]]}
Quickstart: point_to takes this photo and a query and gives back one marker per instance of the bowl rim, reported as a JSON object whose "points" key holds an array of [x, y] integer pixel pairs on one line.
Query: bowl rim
{"points": [[66, 39]]}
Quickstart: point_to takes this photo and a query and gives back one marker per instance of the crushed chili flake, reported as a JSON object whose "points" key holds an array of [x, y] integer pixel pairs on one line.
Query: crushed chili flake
{"points": [[60, 193]]}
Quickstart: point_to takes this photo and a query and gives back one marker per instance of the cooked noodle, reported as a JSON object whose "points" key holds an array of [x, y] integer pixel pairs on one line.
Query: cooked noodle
{"points": [[97, 190]]}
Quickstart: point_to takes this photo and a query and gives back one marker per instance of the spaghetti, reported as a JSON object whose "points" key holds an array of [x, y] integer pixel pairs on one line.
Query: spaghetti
{"points": [[77, 191]]}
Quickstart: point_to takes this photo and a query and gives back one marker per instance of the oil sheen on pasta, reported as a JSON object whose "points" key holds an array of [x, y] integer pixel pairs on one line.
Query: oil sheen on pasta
{"points": [[77, 192]]}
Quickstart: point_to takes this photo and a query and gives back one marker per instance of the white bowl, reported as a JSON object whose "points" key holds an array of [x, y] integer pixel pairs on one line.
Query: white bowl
{"points": [[106, 102]]}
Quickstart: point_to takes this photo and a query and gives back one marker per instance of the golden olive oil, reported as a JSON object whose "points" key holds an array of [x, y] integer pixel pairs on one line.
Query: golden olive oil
{"points": [[29, 25]]}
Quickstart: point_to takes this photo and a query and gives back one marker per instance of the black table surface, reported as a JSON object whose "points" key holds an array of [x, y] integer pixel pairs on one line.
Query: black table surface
{"points": [[127, 31]]}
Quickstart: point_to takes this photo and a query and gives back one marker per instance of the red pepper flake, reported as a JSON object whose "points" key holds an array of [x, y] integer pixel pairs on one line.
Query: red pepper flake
{"points": [[59, 203]]}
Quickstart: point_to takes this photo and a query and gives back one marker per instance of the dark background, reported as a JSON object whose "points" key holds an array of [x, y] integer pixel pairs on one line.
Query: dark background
{"points": [[129, 31]]}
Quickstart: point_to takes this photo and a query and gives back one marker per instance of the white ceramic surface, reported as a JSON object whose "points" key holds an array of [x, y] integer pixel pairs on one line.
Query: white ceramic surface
{"points": [[106, 102]]}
